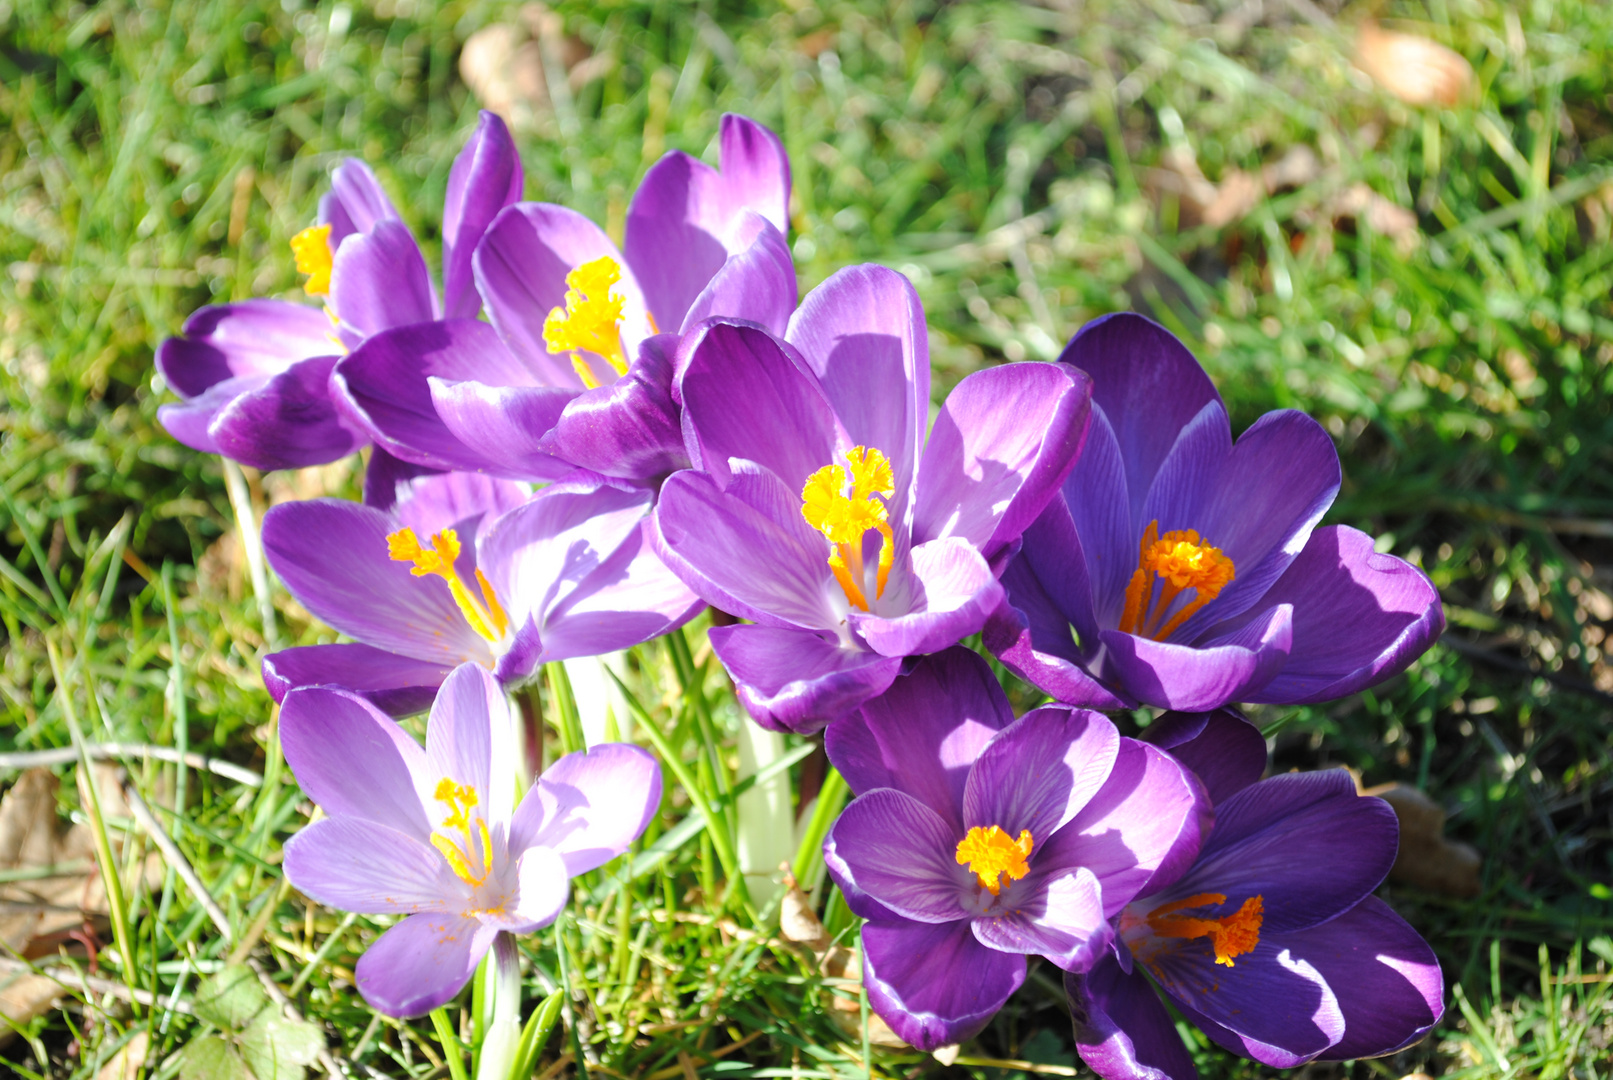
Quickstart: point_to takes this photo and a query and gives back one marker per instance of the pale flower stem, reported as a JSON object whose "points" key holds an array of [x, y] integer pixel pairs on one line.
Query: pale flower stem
{"points": [[503, 1039], [252, 546], [766, 832]]}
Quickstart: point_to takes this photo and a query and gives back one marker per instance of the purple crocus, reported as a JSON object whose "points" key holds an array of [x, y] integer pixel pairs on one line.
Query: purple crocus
{"points": [[466, 567], [976, 840], [575, 369], [436, 835], [818, 510], [1190, 567], [1271, 942], [255, 374]]}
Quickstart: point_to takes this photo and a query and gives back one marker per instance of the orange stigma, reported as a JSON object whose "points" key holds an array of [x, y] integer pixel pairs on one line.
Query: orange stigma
{"points": [[311, 249], [590, 320], [1180, 560], [486, 616], [1230, 935], [846, 516], [463, 834], [990, 853]]}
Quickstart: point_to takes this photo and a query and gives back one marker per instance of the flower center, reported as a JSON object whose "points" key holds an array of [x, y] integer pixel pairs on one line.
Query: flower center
{"points": [[1230, 935], [989, 853], [486, 616], [591, 319], [311, 249], [462, 837], [840, 503], [1173, 562]]}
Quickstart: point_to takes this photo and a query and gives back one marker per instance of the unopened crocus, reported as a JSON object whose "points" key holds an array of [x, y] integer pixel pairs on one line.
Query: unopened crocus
{"points": [[976, 840], [1271, 942], [1183, 570], [575, 369], [467, 568], [818, 510], [435, 834], [255, 374]]}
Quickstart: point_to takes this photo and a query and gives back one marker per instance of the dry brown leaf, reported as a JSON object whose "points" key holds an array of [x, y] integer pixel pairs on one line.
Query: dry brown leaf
{"points": [[127, 1062], [1427, 860], [800, 924], [1412, 68], [503, 64], [1238, 193]]}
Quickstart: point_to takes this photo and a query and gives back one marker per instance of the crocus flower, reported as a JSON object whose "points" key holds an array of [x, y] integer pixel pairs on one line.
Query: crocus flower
{"points": [[817, 509], [435, 834], [573, 370], [255, 374], [1189, 567], [1271, 942], [976, 839], [466, 567]]}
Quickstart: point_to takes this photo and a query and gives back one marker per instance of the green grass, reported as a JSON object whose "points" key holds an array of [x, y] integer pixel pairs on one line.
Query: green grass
{"points": [[1012, 159]]}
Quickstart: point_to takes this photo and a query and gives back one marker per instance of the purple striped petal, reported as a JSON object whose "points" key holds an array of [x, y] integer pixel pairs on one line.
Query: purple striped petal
{"points": [[1040, 771], [629, 599], [1359, 618], [355, 203], [757, 283], [956, 593], [379, 280], [191, 422], [352, 864], [470, 737], [1096, 515], [324, 731], [901, 853], [629, 429], [1061, 919], [251, 337], [923, 734], [755, 169], [397, 685], [1223, 749], [1122, 1031], [590, 806], [1198, 678], [435, 501], [505, 426], [421, 963], [1031, 637], [935, 985], [1386, 978], [799, 680], [289, 422], [485, 178]]}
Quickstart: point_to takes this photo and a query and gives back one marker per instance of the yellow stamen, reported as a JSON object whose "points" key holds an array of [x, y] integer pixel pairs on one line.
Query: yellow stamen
{"points": [[845, 517], [1230, 935], [461, 850], [591, 319], [311, 249], [1179, 560], [485, 616], [989, 853]]}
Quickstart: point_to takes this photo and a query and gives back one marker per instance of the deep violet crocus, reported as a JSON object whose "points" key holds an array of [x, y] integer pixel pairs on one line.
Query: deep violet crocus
{"points": [[255, 374], [976, 840], [468, 568], [435, 834], [1189, 567], [1271, 942], [575, 368], [817, 509]]}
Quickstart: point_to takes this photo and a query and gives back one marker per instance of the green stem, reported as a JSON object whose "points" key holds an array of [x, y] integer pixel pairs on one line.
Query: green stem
{"points": [[501, 1047], [808, 864], [452, 1050], [567, 722]]}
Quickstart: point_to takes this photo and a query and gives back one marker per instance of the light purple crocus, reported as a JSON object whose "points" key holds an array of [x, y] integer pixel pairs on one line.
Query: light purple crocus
{"points": [[435, 834], [468, 568], [1271, 942], [1189, 567], [255, 374], [976, 840], [575, 369], [817, 509]]}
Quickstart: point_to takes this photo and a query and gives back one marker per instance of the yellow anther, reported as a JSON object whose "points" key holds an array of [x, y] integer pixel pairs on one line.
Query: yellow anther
{"points": [[485, 616], [1179, 560], [845, 517], [311, 249], [591, 319], [461, 850], [990, 853], [1230, 935]]}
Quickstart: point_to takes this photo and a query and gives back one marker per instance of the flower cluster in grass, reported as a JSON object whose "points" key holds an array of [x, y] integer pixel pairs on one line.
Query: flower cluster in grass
{"points": [[640, 431]]}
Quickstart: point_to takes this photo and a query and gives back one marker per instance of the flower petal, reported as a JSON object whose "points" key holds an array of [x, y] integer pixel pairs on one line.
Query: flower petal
{"points": [[396, 685], [755, 170], [956, 593], [355, 203], [1148, 385], [630, 598], [922, 735], [543, 884], [935, 985], [589, 807], [324, 731], [421, 963], [799, 680], [289, 422], [470, 738], [1198, 678], [901, 853], [757, 283], [1061, 919], [191, 422], [504, 425], [1223, 749], [1096, 514], [432, 502], [250, 337], [1040, 771], [352, 864], [379, 280], [1386, 977], [1122, 1031], [332, 556], [629, 429], [485, 178], [1031, 637], [1359, 618], [999, 450]]}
